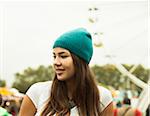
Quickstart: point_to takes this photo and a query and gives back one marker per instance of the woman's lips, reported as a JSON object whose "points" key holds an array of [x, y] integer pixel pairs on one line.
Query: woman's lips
{"points": [[59, 71]]}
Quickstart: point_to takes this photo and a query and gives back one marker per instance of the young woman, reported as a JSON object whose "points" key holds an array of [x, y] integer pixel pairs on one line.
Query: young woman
{"points": [[73, 91]]}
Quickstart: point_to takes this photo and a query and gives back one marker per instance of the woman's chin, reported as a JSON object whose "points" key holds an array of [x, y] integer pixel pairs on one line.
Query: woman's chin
{"points": [[60, 78]]}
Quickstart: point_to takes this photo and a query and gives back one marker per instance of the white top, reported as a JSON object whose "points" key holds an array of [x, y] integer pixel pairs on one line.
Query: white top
{"points": [[39, 93]]}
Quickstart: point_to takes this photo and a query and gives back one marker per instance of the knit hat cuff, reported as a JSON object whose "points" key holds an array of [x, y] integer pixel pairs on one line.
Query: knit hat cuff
{"points": [[73, 49]]}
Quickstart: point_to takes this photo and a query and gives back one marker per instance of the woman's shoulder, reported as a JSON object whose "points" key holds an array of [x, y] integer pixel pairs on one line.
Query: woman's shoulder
{"points": [[41, 84], [103, 89], [37, 90], [105, 96], [104, 92]]}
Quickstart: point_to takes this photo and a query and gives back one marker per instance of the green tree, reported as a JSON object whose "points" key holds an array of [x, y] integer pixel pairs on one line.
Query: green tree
{"points": [[2, 83], [107, 75], [142, 74], [110, 76], [30, 76]]}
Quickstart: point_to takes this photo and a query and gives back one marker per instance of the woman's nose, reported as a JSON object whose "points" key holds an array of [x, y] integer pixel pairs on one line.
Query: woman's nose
{"points": [[57, 61]]}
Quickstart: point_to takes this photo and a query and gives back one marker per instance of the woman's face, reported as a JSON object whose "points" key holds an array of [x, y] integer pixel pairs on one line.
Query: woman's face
{"points": [[63, 64]]}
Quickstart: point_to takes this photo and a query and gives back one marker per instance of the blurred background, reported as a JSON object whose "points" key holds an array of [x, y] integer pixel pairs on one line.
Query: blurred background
{"points": [[120, 38]]}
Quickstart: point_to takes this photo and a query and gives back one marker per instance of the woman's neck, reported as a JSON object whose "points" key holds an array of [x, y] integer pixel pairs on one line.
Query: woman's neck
{"points": [[70, 88]]}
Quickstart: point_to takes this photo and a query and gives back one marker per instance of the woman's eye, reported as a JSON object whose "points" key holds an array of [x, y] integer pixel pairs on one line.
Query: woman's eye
{"points": [[64, 56]]}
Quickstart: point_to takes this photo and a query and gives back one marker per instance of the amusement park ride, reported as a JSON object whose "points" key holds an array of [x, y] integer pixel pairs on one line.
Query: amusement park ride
{"points": [[143, 100]]}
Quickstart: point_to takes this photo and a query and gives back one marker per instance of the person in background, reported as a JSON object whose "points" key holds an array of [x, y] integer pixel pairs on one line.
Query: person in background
{"points": [[1, 99], [126, 109], [148, 110], [13, 108], [3, 112], [118, 104], [74, 90]]}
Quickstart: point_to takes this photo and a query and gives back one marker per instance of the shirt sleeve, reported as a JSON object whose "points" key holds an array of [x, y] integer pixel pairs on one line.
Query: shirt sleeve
{"points": [[39, 92], [105, 97], [33, 94]]}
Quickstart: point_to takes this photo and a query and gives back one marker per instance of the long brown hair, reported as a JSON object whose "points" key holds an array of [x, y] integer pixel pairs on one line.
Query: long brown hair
{"points": [[86, 94]]}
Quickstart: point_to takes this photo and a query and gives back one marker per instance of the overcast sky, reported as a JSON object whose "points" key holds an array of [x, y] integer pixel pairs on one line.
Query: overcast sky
{"points": [[28, 30]]}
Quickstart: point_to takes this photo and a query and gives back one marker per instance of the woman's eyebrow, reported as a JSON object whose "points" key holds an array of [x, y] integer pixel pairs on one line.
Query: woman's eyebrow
{"points": [[60, 53]]}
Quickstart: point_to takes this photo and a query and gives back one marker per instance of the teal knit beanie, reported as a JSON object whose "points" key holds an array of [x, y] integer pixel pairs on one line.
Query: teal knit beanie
{"points": [[78, 42]]}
